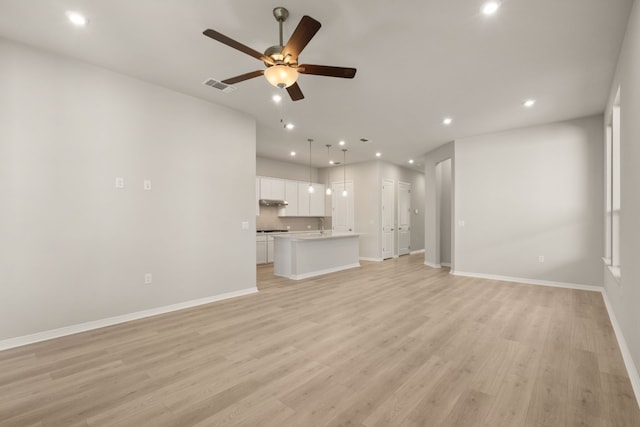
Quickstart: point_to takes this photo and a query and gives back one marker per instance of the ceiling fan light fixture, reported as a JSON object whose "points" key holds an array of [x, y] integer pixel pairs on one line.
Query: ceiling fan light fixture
{"points": [[281, 75], [490, 7], [76, 18]]}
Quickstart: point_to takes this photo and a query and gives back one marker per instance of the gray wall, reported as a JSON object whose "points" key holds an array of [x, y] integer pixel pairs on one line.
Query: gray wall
{"points": [[432, 232], [75, 249], [625, 295], [285, 170], [366, 202], [530, 192]]}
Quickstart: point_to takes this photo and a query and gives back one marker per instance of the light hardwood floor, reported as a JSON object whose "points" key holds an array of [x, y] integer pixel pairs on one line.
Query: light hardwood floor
{"points": [[390, 344]]}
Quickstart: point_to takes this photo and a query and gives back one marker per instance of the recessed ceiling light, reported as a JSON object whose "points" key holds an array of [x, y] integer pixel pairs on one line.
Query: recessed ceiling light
{"points": [[411, 161], [76, 18], [378, 154], [289, 126], [331, 162], [490, 7], [292, 154], [529, 103], [341, 143], [447, 121], [276, 98]]}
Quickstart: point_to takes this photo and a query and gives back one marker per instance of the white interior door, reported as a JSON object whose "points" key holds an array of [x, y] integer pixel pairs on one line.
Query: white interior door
{"points": [[404, 218], [388, 218], [342, 207]]}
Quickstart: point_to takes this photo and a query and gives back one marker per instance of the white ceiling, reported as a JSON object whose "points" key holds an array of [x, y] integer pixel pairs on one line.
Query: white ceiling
{"points": [[418, 61]]}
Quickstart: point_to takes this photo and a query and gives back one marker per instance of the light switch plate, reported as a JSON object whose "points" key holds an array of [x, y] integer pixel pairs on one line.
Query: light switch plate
{"points": [[245, 225], [146, 185], [148, 278], [461, 223], [119, 182]]}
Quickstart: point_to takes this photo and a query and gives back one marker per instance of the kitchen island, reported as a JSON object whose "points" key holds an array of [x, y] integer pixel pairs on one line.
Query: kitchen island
{"points": [[299, 256]]}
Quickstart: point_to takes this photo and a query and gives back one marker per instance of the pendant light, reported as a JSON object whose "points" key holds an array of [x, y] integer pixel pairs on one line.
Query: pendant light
{"points": [[344, 170], [311, 189], [329, 190]]}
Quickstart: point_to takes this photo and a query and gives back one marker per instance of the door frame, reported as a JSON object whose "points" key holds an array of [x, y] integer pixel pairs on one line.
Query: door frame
{"points": [[394, 219], [398, 217]]}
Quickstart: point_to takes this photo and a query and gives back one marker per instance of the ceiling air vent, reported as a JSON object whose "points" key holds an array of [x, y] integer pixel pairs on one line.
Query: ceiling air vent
{"points": [[219, 85]]}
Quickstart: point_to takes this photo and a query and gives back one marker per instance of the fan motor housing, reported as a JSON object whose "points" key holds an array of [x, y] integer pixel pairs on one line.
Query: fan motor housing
{"points": [[275, 52]]}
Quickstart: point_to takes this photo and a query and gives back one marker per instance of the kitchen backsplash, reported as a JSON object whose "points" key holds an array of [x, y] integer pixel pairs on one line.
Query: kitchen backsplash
{"points": [[269, 220]]}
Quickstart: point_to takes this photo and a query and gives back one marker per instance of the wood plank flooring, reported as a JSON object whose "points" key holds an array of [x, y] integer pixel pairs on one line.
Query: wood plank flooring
{"points": [[390, 344]]}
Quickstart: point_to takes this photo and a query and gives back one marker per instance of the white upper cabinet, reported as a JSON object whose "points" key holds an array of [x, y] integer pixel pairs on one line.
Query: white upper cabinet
{"points": [[316, 201], [271, 188], [303, 199], [296, 193], [291, 197]]}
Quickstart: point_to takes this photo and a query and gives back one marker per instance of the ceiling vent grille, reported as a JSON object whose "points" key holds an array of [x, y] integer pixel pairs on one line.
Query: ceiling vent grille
{"points": [[219, 85]]}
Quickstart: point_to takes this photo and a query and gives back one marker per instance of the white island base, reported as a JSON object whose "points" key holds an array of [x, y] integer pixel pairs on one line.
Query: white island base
{"points": [[300, 256]]}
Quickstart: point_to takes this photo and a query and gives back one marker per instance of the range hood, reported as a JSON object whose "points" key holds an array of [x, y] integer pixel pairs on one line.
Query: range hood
{"points": [[270, 202]]}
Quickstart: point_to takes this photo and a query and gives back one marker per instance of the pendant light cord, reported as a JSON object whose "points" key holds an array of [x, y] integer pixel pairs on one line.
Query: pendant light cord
{"points": [[344, 170], [282, 101], [310, 141]]}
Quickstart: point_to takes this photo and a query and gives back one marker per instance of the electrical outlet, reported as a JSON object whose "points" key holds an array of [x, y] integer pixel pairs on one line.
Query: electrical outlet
{"points": [[119, 182], [146, 185], [540, 258], [148, 278]]}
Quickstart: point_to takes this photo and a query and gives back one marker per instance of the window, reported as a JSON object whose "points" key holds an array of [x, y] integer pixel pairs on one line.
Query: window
{"points": [[612, 184]]}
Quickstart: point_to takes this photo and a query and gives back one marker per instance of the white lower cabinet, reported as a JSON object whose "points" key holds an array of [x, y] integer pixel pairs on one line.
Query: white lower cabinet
{"points": [[264, 249], [261, 249], [269, 249]]}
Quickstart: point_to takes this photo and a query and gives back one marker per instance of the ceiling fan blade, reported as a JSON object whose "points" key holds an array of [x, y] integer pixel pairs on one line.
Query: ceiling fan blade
{"points": [[302, 35], [295, 92], [237, 45], [243, 77], [325, 70]]}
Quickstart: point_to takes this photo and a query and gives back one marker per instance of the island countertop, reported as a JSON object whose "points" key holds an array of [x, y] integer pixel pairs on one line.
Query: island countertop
{"points": [[315, 236]]}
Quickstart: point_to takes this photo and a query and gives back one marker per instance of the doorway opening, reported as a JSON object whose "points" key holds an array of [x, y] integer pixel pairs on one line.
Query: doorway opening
{"points": [[388, 218], [404, 218], [444, 199]]}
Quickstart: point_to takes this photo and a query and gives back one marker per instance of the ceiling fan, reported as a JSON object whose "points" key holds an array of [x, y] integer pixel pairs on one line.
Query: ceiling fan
{"points": [[282, 60]]}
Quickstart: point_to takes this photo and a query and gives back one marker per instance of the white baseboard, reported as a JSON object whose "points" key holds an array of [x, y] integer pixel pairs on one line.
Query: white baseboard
{"points": [[445, 264], [432, 265], [96, 324], [362, 258], [419, 251], [529, 281], [321, 272], [632, 371]]}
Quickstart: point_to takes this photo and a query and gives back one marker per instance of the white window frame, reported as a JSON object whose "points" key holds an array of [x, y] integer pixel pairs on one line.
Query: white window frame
{"points": [[612, 189]]}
